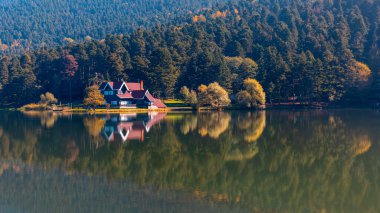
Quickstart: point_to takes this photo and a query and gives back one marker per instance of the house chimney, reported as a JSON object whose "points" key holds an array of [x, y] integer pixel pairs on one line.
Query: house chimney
{"points": [[141, 85]]}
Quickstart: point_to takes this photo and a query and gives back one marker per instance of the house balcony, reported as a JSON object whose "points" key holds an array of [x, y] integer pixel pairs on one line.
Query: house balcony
{"points": [[127, 106]]}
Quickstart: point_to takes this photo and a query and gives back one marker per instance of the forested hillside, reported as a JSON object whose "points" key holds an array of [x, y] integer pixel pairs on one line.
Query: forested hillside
{"points": [[326, 50], [36, 23]]}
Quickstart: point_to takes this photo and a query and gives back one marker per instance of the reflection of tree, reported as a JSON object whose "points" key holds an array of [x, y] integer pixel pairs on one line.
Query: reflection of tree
{"points": [[306, 156], [71, 152], [361, 144], [5, 146], [242, 153], [23, 148], [94, 125], [252, 124], [189, 124], [208, 124], [213, 124], [47, 119]]}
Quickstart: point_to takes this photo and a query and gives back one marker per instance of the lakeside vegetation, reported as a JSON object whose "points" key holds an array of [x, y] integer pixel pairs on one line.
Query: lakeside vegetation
{"points": [[309, 51], [212, 96]]}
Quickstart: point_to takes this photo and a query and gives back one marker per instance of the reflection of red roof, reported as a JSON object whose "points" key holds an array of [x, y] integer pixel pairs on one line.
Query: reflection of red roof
{"points": [[132, 130], [136, 135], [138, 125], [155, 120], [128, 131], [125, 125]]}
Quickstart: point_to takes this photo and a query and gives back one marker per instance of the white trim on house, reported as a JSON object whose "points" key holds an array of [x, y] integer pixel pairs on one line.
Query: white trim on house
{"points": [[122, 86], [124, 137], [108, 83]]}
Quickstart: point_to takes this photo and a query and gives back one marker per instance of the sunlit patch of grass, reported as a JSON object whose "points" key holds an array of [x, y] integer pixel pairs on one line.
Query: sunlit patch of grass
{"points": [[34, 107], [174, 101]]}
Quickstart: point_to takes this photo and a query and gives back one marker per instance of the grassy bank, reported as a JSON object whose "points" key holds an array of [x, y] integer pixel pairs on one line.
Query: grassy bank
{"points": [[117, 110]]}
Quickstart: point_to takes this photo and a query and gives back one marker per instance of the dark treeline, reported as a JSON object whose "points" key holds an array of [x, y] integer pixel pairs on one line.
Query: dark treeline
{"points": [[312, 50], [35, 23]]}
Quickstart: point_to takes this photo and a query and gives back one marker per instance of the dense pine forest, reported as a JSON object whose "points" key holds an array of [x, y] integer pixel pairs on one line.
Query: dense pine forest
{"points": [[311, 50], [27, 24]]}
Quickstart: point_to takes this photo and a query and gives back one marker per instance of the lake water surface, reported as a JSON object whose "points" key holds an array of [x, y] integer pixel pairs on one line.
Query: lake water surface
{"points": [[274, 161]]}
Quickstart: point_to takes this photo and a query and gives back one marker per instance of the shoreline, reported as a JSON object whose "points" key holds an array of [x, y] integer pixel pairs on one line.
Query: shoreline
{"points": [[188, 109], [268, 106]]}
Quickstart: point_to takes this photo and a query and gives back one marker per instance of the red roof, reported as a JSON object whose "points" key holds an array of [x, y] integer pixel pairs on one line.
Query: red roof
{"points": [[133, 86], [158, 103], [117, 85], [138, 94], [135, 92], [126, 95], [150, 97]]}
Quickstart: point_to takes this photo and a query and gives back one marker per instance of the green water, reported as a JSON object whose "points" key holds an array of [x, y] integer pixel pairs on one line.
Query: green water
{"points": [[275, 161]]}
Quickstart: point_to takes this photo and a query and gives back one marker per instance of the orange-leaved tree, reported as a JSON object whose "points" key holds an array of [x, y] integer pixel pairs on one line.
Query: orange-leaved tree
{"points": [[93, 97], [253, 95]]}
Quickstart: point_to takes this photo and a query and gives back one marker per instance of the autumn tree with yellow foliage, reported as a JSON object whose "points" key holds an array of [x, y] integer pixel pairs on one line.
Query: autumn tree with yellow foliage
{"points": [[48, 99], [253, 95], [360, 73], [213, 95], [189, 96], [203, 98], [93, 97]]}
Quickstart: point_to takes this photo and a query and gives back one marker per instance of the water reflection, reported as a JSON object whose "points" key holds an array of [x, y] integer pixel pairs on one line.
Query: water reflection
{"points": [[255, 161], [252, 125], [213, 125], [130, 126], [47, 119]]}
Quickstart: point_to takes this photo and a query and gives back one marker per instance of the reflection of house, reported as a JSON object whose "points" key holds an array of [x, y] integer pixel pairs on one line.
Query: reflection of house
{"points": [[129, 95], [130, 126]]}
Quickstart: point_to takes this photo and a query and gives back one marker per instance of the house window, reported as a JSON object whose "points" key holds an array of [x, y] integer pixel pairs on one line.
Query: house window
{"points": [[113, 102], [109, 129], [108, 92], [124, 103]]}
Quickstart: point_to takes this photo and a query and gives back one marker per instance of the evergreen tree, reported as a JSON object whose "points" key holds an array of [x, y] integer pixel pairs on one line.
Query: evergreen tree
{"points": [[4, 72], [116, 68]]}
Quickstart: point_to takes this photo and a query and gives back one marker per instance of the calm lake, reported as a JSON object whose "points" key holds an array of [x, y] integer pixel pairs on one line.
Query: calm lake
{"points": [[274, 161]]}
